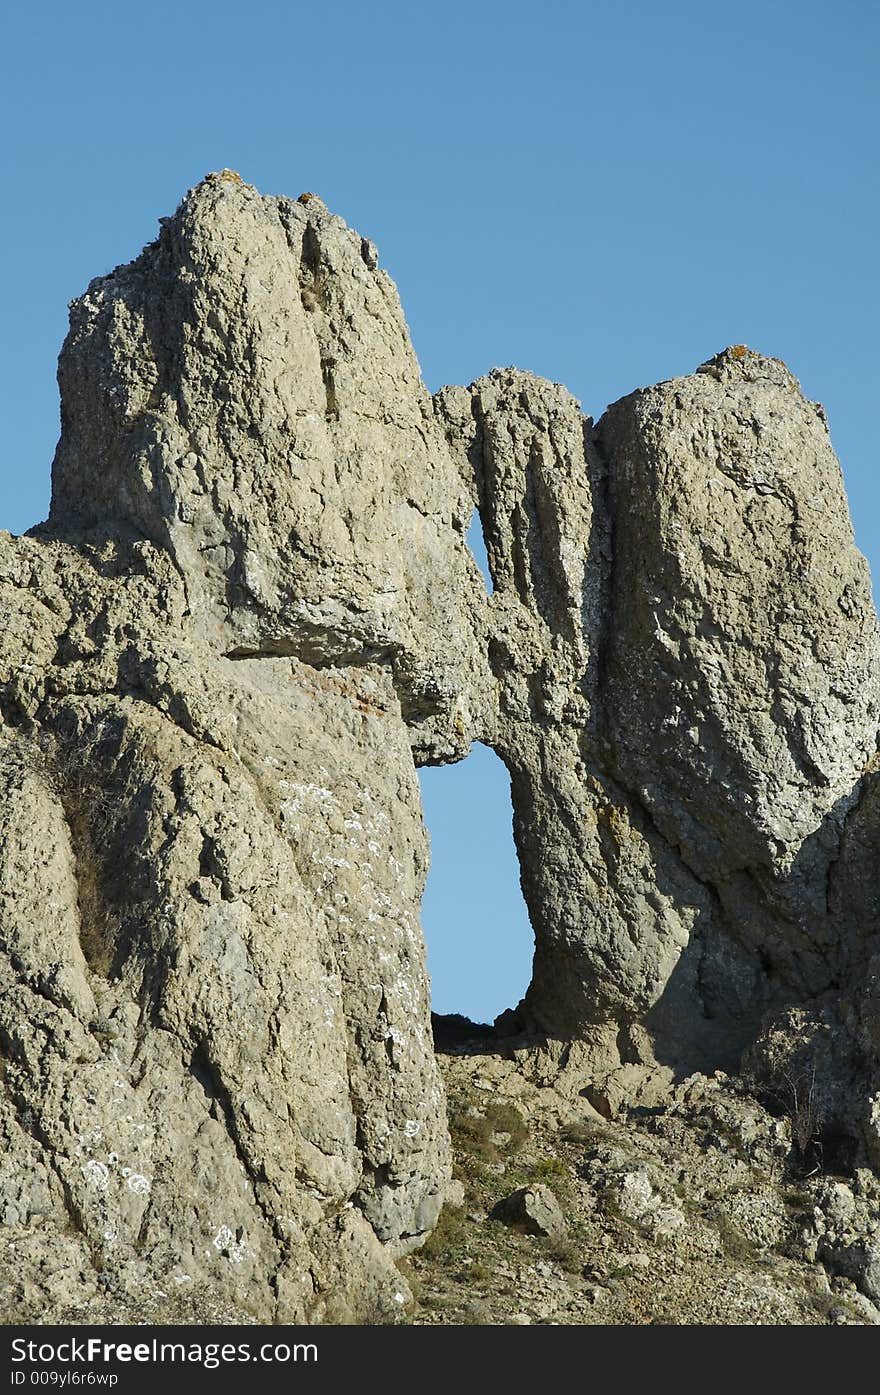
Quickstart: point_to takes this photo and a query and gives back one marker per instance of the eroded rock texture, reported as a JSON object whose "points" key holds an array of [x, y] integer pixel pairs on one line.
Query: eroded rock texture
{"points": [[220, 654], [250, 615], [687, 656]]}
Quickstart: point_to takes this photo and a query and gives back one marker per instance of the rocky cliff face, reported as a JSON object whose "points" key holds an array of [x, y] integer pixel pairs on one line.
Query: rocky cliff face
{"points": [[250, 615]]}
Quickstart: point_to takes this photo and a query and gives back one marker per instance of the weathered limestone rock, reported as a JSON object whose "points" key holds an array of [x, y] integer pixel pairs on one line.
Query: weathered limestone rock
{"points": [[743, 672], [611, 903], [250, 615], [215, 1004], [534, 1210], [246, 396], [221, 652], [845, 1230], [687, 657]]}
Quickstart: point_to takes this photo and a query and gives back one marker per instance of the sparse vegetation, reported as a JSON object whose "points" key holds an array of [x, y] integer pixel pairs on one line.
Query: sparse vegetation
{"points": [[446, 1238], [409, 1273], [735, 1245], [548, 1170], [797, 1200], [587, 1133], [792, 1089], [477, 1130], [728, 1260], [566, 1253]]}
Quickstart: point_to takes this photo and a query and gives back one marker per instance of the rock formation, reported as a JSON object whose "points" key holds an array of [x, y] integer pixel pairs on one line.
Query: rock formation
{"points": [[686, 653], [250, 615]]}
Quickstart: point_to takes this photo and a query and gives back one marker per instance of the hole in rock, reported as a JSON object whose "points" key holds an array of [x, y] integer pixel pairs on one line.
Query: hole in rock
{"points": [[477, 545], [480, 942]]}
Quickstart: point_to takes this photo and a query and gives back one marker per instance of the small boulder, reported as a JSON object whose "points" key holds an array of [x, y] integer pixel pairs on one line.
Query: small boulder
{"points": [[533, 1210]]}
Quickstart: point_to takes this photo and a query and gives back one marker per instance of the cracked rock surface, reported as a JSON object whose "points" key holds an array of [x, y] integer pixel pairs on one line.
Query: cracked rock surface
{"points": [[249, 616], [686, 653]]}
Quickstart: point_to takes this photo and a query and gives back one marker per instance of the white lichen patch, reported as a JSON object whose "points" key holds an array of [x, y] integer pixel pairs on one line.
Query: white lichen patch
{"points": [[97, 1174], [226, 1244], [224, 1238]]}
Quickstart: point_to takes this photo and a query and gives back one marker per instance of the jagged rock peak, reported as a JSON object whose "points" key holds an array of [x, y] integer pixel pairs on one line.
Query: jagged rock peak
{"points": [[245, 396]]}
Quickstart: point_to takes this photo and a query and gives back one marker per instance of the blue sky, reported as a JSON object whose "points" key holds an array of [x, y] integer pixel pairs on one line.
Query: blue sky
{"points": [[604, 194]]}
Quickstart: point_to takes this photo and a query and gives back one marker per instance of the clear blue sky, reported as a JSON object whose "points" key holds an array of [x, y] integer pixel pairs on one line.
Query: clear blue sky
{"points": [[603, 193]]}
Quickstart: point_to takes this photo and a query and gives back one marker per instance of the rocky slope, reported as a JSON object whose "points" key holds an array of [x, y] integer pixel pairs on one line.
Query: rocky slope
{"points": [[696, 1208], [250, 615]]}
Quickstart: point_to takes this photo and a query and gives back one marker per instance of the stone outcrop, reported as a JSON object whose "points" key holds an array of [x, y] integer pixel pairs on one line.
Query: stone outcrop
{"points": [[221, 652], [686, 651], [250, 615]]}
